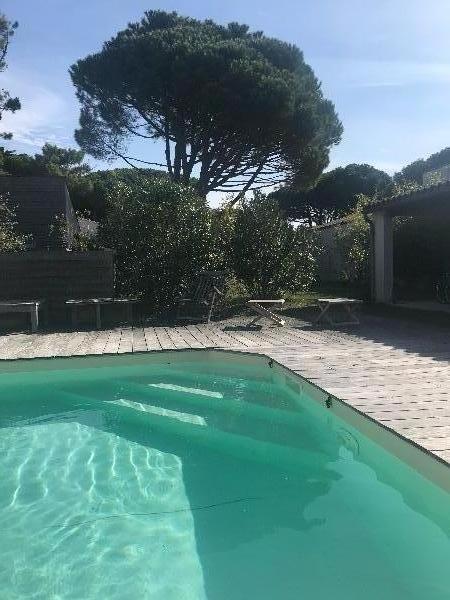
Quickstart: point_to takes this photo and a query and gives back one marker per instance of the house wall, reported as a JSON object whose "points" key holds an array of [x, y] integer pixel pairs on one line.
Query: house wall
{"points": [[36, 202]]}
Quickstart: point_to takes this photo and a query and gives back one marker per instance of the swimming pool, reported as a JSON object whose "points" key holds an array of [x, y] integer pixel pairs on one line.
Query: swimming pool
{"points": [[208, 474]]}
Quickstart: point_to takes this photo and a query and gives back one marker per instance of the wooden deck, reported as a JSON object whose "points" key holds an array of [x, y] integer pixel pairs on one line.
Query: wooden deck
{"points": [[396, 371]]}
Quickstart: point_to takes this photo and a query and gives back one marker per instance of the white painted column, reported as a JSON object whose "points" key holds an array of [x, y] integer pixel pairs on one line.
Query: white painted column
{"points": [[383, 256]]}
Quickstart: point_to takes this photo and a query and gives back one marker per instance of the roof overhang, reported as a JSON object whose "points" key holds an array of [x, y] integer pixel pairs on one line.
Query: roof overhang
{"points": [[425, 202]]}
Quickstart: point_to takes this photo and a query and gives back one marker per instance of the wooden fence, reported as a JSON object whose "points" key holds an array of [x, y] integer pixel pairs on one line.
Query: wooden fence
{"points": [[56, 275]]}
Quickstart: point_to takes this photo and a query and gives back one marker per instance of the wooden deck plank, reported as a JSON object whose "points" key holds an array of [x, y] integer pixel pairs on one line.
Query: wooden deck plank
{"points": [[218, 337], [112, 345], [19, 347], [151, 339], [176, 339], [203, 337], [13, 345], [445, 455], [233, 338], [164, 339], [190, 339], [74, 341], [139, 343], [99, 345], [85, 346], [126, 340]]}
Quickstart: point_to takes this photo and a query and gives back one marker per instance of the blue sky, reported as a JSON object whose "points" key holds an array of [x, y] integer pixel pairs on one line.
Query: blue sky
{"points": [[385, 64]]}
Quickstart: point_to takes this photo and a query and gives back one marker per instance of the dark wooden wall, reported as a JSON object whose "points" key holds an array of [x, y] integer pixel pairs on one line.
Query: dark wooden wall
{"points": [[36, 202], [55, 276]]}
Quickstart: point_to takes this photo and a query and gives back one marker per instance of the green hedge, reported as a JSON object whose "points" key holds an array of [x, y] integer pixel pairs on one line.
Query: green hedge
{"points": [[163, 233]]}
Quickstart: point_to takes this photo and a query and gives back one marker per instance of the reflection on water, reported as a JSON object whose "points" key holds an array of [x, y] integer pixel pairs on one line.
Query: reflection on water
{"points": [[59, 481], [181, 484]]}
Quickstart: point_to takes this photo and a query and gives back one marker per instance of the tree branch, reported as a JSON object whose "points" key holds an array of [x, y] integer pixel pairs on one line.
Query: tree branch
{"points": [[247, 186]]}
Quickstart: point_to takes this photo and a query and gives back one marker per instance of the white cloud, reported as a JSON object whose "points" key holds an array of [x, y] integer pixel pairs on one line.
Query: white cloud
{"points": [[44, 116], [384, 73]]}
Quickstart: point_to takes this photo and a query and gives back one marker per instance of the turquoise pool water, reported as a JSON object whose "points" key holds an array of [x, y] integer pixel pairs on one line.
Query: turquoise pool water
{"points": [[203, 475]]}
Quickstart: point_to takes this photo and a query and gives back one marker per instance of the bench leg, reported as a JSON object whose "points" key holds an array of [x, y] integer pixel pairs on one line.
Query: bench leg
{"points": [[34, 319], [354, 320], [326, 314], [254, 321], [98, 317], [323, 315], [265, 312]]}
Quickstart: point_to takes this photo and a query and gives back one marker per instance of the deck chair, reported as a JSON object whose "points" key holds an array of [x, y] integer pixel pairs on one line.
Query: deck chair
{"points": [[207, 289]]}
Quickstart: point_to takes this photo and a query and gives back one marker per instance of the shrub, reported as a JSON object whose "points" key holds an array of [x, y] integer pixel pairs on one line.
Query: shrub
{"points": [[10, 239], [269, 254], [223, 221], [161, 232], [62, 237], [353, 241]]}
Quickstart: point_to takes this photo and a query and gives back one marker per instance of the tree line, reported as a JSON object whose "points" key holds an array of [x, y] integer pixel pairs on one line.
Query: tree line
{"points": [[234, 110]]}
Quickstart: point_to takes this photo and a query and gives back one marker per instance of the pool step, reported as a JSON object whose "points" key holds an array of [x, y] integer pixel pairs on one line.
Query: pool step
{"points": [[251, 419], [265, 389], [303, 461]]}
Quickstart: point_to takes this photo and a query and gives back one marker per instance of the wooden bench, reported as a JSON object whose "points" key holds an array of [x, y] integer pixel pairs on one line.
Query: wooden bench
{"points": [[26, 306], [262, 308], [98, 303], [328, 305]]}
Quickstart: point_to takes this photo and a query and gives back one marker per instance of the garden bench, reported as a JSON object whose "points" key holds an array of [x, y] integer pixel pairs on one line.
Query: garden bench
{"points": [[329, 305], [26, 306], [263, 310], [98, 303]]}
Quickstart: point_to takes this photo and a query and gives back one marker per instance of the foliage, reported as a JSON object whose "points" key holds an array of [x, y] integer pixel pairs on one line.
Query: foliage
{"points": [[223, 221], [89, 193], [160, 232], [10, 239], [59, 236], [353, 241], [7, 102], [269, 254], [65, 162], [88, 189], [415, 170], [242, 109], [334, 195]]}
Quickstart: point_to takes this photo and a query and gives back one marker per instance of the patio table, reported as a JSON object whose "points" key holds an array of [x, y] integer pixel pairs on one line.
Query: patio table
{"points": [[328, 305]]}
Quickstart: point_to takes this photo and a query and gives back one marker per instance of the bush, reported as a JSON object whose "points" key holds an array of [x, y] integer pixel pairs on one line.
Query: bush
{"points": [[10, 239], [269, 254], [161, 232], [62, 237], [353, 241]]}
